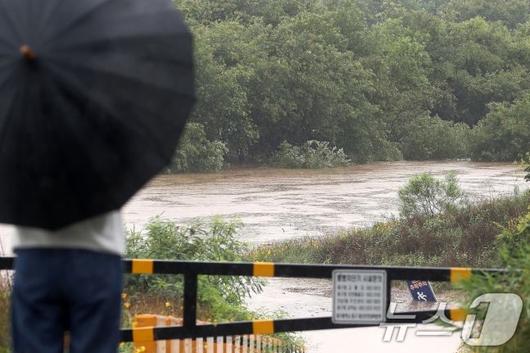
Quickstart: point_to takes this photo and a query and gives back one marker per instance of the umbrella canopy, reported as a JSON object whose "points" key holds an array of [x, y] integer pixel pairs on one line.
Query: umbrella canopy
{"points": [[94, 95]]}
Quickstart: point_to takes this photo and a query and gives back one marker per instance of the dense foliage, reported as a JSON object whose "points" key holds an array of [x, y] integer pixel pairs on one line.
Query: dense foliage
{"points": [[312, 155], [197, 153], [515, 255], [5, 301], [424, 195], [505, 131], [220, 298], [380, 79]]}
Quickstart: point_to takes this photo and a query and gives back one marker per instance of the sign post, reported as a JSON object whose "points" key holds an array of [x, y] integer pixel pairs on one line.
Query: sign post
{"points": [[359, 297], [421, 291]]}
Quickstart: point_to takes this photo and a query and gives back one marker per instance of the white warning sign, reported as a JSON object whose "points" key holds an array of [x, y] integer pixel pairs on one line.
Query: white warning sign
{"points": [[359, 297]]}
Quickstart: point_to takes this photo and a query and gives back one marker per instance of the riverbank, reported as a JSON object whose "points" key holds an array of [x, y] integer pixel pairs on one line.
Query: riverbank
{"points": [[462, 237], [282, 204], [465, 237]]}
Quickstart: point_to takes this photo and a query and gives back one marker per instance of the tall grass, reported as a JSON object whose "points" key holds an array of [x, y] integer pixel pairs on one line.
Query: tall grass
{"points": [[514, 252], [5, 295], [464, 236], [220, 298], [4, 317]]}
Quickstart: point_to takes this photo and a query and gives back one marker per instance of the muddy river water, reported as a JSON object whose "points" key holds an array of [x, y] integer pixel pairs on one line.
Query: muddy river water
{"points": [[281, 204], [277, 204]]}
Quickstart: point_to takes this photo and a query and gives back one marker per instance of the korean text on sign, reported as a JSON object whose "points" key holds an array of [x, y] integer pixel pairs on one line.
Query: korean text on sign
{"points": [[359, 296]]}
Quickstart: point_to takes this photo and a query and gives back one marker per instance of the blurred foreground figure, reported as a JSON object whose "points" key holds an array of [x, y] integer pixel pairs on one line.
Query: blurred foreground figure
{"points": [[94, 95], [68, 281]]}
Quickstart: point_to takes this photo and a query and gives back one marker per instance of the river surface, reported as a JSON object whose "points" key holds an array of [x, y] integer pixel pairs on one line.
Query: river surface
{"points": [[276, 205], [282, 204]]}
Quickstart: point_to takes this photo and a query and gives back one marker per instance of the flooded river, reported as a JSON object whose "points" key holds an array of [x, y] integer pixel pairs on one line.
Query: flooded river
{"points": [[276, 205], [281, 204]]}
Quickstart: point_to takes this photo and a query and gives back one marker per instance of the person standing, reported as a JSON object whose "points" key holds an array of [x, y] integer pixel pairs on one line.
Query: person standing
{"points": [[94, 96], [68, 280]]}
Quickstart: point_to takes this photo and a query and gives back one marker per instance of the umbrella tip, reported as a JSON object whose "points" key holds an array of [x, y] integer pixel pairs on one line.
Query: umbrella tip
{"points": [[27, 53]]}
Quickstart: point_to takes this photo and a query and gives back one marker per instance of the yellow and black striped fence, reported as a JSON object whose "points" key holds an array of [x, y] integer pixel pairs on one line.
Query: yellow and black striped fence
{"points": [[191, 270]]}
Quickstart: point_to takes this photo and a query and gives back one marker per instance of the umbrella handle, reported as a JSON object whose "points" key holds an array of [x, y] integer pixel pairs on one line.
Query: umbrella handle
{"points": [[28, 53]]}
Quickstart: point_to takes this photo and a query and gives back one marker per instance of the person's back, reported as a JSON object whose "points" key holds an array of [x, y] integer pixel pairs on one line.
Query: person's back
{"points": [[68, 281]]}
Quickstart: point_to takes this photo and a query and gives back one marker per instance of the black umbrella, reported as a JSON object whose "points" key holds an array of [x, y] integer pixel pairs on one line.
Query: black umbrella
{"points": [[94, 95]]}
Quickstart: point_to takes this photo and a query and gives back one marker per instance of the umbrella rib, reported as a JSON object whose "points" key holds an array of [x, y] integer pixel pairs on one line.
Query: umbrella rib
{"points": [[120, 75], [46, 20], [10, 19], [68, 47], [76, 20], [8, 115], [74, 84], [6, 78], [5, 42], [61, 103]]}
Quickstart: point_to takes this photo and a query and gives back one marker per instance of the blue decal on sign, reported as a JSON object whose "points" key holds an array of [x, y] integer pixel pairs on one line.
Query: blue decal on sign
{"points": [[421, 291]]}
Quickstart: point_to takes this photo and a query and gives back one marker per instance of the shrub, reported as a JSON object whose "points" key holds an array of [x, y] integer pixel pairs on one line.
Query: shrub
{"points": [[196, 153], [431, 138], [515, 255], [465, 236], [312, 155], [220, 298], [5, 295], [425, 195], [387, 152], [504, 133], [526, 165]]}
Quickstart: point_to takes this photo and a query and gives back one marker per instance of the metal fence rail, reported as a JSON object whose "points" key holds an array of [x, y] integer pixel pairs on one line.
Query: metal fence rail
{"points": [[232, 344], [191, 271]]}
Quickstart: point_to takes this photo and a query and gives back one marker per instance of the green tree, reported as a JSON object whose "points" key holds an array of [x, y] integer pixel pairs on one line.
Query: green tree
{"points": [[196, 153], [431, 138], [223, 69], [476, 63], [509, 12], [401, 67], [220, 298], [312, 88], [505, 133], [425, 195], [369, 76], [244, 11]]}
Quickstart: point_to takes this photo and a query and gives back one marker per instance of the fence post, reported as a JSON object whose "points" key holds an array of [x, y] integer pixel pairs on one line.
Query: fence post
{"points": [[190, 301]]}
